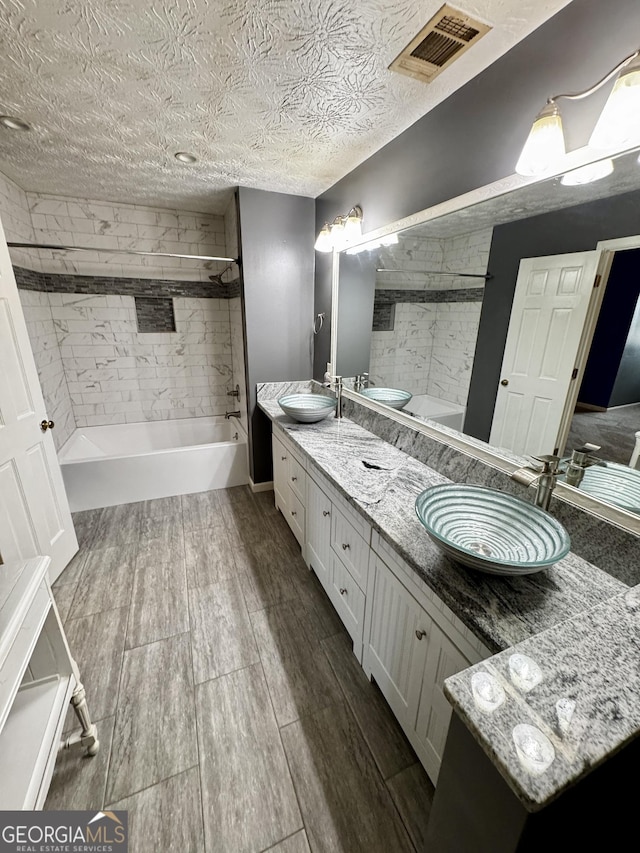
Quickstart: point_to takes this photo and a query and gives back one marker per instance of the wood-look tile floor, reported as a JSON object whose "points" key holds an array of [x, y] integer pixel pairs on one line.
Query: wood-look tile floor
{"points": [[232, 715]]}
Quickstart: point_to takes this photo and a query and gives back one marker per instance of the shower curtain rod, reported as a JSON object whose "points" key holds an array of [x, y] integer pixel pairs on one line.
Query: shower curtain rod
{"points": [[117, 252], [486, 276]]}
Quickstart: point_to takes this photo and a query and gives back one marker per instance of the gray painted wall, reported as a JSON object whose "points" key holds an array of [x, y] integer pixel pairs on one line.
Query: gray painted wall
{"points": [[475, 136], [277, 236], [575, 229]]}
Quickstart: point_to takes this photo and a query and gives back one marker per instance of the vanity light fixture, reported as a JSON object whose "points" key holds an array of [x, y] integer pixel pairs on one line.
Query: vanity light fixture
{"points": [[14, 123], [345, 229], [185, 157], [618, 125], [587, 174]]}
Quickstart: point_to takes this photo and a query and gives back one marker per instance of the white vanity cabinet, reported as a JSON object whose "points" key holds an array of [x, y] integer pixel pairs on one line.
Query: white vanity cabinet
{"points": [[403, 635], [338, 552], [289, 485], [414, 642]]}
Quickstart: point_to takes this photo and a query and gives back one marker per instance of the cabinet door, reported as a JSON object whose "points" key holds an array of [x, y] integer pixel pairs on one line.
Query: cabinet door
{"points": [[350, 548], [348, 600], [434, 711], [319, 513], [397, 644], [280, 475], [295, 516]]}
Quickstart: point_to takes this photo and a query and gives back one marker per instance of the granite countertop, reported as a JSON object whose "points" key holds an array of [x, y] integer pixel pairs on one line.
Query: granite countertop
{"points": [[560, 697], [382, 483], [585, 701]]}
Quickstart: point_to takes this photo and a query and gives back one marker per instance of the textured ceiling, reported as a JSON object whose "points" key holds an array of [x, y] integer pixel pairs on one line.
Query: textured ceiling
{"points": [[283, 95]]}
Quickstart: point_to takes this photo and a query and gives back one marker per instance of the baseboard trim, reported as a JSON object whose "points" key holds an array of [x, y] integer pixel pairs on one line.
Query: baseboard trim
{"points": [[260, 487]]}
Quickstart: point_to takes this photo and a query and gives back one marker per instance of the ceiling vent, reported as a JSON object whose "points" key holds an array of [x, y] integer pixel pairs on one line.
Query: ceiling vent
{"points": [[444, 39]]}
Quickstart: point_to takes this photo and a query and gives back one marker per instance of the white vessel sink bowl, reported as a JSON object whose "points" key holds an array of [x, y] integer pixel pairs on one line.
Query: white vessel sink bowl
{"points": [[307, 408], [491, 531], [394, 397]]}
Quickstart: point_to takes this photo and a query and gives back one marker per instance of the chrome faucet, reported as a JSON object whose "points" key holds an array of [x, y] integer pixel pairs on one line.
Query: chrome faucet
{"points": [[237, 414], [361, 381], [337, 387], [544, 479], [581, 459]]}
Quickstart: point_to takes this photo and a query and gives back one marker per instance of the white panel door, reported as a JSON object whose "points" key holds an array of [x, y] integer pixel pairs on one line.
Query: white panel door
{"points": [[34, 512], [547, 319], [397, 645]]}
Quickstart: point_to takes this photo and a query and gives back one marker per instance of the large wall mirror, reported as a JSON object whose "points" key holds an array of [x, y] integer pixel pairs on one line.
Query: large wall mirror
{"points": [[514, 321]]}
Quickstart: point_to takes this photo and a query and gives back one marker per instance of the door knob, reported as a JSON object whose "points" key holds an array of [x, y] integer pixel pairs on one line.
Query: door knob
{"points": [[325, 512], [343, 591], [421, 634], [505, 382], [45, 425]]}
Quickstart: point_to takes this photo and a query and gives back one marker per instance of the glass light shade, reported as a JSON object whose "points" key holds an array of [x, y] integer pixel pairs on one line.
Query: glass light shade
{"points": [[619, 122], [338, 233], [544, 149], [587, 174], [353, 225], [324, 242]]}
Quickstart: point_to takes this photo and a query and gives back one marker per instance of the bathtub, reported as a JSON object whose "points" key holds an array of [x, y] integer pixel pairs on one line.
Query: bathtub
{"points": [[109, 465], [441, 411]]}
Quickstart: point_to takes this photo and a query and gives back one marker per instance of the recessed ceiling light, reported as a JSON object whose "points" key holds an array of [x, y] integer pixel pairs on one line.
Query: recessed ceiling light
{"points": [[13, 123], [185, 157]]}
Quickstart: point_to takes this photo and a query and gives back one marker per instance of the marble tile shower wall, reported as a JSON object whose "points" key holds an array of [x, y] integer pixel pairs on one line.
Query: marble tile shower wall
{"points": [[101, 225], [48, 359], [16, 221], [117, 375], [429, 351], [416, 256], [432, 345]]}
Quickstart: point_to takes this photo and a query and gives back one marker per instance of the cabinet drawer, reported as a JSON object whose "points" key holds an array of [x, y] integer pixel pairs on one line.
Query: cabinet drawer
{"points": [[348, 600], [350, 547], [295, 516], [297, 478]]}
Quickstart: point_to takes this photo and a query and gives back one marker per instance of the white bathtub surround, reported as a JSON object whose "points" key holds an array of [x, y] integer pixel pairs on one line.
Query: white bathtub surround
{"points": [[448, 414], [118, 375], [105, 225], [111, 465], [46, 352]]}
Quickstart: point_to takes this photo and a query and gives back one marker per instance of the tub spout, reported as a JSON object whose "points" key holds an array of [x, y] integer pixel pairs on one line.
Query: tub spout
{"points": [[237, 414]]}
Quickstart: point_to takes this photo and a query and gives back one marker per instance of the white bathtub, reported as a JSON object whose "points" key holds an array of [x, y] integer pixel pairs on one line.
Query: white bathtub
{"points": [[441, 411], [109, 465]]}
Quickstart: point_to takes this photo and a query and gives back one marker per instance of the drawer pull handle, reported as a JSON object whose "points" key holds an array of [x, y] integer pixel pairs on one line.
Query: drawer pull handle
{"points": [[293, 479], [345, 546], [284, 458], [293, 512], [421, 634], [326, 512], [343, 591]]}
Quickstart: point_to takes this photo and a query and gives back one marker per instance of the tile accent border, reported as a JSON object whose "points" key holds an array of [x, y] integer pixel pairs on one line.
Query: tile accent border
{"points": [[108, 286]]}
